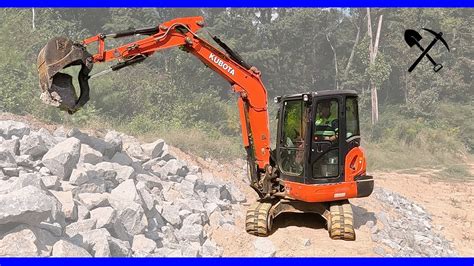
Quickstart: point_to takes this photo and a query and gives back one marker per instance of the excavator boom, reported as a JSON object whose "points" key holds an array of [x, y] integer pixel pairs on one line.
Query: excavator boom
{"points": [[60, 53]]}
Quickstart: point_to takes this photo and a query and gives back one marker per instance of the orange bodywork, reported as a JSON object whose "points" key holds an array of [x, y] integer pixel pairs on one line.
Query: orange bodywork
{"points": [[355, 165], [246, 82]]}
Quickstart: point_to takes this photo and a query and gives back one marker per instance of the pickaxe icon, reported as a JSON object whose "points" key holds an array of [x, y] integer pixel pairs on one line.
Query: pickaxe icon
{"points": [[412, 37]]}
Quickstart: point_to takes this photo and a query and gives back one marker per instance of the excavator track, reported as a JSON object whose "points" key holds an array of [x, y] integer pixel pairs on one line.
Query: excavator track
{"points": [[341, 221], [259, 219]]}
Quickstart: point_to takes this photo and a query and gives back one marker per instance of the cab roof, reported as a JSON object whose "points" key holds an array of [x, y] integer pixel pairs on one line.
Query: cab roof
{"points": [[321, 93]]}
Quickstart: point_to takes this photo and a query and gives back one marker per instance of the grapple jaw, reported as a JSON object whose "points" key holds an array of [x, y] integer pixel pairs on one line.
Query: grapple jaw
{"points": [[57, 88]]}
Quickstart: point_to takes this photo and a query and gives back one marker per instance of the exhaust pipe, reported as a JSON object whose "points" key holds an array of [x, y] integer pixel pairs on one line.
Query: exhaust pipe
{"points": [[57, 88]]}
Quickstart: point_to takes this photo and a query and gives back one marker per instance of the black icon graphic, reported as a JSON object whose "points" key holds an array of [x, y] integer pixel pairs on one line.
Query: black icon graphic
{"points": [[412, 37]]}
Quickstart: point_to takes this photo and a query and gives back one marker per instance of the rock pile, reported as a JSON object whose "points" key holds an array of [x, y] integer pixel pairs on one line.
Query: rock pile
{"points": [[409, 233], [72, 194]]}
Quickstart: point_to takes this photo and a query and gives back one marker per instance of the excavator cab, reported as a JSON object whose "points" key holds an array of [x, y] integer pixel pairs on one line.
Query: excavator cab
{"points": [[316, 131]]}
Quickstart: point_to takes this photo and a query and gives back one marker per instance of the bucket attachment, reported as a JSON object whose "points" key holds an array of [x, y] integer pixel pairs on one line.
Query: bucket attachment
{"points": [[57, 88]]}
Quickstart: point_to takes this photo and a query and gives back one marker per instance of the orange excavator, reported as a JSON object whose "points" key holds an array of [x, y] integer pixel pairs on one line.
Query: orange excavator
{"points": [[317, 165]]}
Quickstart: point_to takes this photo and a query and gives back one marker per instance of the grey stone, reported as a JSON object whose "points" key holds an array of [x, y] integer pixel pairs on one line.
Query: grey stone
{"points": [[105, 217], [94, 200], [11, 171], [306, 242], [33, 145], [210, 249], [370, 224], [44, 171], [89, 155], [11, 145], [383, 218], [123, 172], [264, 247], [141, 244], [148, 202], [169, 236], [64, 248], [48, 139], [168, 252], [185, 188], [54, 228], [82, 174], [28, 205], [131, 220], [60, 132], [7, 160], [26, 161], [63, 157], [80, 227], [211, 207], [122, 158], [114, 143], [9, 128], [68, 206], [154, 149], [155, 220], [51, 182], [21, 181], [119, 248]]}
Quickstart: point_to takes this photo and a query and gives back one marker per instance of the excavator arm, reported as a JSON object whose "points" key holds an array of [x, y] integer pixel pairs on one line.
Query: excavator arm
{"points": [[61, 53]]}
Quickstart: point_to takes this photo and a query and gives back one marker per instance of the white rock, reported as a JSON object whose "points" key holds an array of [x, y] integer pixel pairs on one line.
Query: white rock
{"points": [[141, 244], [210, 249], [132, 147], [94, 200], [63, 157], [11, 145], [89, 155], [11, 128], [171, 214], [116, 171], [192, 233], [131, 220], [60, 132], [114, 142], [145, 196], [69, 208], [95, 241], [28, 205], [264, 247], [64, 248], [82, 212], [154, 149], [7, 160], [51, 182], [105, 217], [48, 139], [19, 242], [33, 145], [126, 192], [80, 227], [119, 248]]}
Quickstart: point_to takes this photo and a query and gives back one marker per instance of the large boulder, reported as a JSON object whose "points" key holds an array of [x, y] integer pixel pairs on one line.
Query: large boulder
{"points": [[133, 148], [26, 241], [94, 200], [95, 241], [114, 172], [48, 139], [105, 217], [63, 157], [131, 220], [114, 143], [64, 248], [28, 205], [11, 128], [80, 227], [126, 192]]}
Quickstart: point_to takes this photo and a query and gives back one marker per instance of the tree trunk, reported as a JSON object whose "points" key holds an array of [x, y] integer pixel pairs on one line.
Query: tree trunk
{"points": [[335, 61], [33, 19], [351, 58], [373, 50]]}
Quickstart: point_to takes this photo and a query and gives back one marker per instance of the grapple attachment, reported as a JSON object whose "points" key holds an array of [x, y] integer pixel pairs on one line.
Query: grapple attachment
{"points": [[57, 88]]}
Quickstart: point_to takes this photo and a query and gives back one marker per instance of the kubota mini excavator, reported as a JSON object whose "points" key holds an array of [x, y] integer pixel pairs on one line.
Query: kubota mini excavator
{"points": [[318, 163]]}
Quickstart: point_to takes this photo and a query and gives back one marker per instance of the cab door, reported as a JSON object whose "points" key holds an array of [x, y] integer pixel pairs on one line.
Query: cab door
{"points": [[326, 160]]}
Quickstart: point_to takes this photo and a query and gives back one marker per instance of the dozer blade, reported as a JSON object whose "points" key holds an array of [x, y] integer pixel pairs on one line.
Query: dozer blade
{"points": [[57, 88]]}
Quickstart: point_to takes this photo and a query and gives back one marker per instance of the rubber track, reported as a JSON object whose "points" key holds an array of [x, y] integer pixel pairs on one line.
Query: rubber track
{"points": [[341, 224], [256, 221]]}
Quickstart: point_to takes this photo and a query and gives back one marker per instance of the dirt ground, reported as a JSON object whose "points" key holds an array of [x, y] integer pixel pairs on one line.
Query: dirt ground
{"points": [[449, 203]]}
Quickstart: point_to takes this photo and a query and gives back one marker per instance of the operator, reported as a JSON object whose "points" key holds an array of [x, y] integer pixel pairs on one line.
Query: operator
{"points": [[324, 118]]}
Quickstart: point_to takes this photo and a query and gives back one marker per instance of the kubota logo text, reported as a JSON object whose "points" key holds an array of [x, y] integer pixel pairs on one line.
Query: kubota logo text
{"points": [[221, 63]]}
